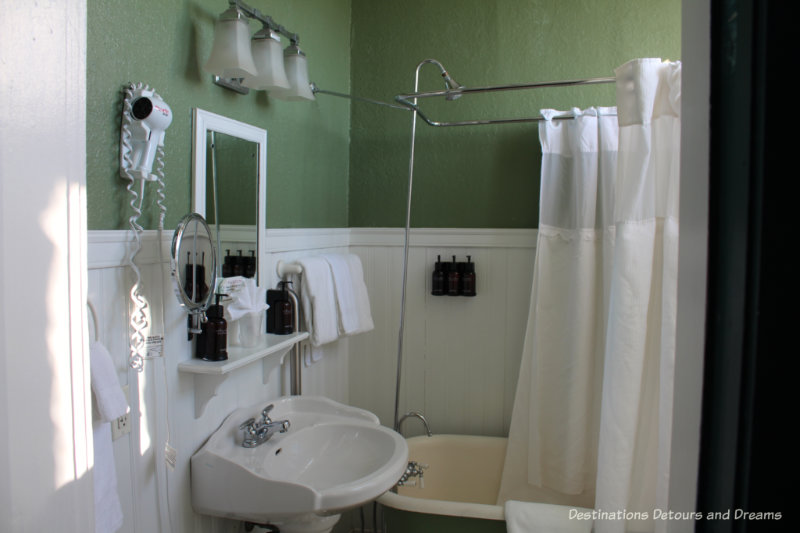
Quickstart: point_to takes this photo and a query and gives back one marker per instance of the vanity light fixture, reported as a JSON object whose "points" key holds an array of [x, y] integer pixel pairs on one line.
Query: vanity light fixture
{"points": [[241, 64], [297, 71]]}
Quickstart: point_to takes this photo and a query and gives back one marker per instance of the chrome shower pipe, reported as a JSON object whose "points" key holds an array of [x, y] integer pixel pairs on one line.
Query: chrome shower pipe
{"points": [[406, 238], [317, 90]]}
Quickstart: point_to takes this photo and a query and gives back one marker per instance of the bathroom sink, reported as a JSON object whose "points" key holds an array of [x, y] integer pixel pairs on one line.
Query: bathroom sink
{"points": [[333, 457]]}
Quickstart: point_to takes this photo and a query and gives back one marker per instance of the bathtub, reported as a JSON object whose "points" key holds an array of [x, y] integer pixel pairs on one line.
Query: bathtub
{"points": [[460, 487]]}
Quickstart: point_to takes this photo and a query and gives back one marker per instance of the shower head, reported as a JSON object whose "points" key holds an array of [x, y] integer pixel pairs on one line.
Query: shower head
{"points": [[451, 85]]}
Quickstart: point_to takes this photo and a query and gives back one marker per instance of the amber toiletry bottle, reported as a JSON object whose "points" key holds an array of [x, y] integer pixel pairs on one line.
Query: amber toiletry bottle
{"points": [[212, 343], [468, 278], [438, 279], [453, 279]]}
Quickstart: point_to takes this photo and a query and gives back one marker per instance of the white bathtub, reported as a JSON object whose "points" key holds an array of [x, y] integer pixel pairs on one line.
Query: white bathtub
{"points": [[462, 482]]}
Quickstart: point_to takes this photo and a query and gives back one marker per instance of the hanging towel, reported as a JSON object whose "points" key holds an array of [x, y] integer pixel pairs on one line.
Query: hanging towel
{"points": [[529, 517], [107, 508], [111, 404], [319, 300], [352, 300]]}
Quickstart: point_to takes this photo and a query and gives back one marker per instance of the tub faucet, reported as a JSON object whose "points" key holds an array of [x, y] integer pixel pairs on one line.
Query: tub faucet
{"points": [[414, 469], [256, 433], [415, 414]]}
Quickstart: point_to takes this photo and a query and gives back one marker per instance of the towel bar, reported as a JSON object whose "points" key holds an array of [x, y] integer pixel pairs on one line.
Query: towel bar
{"points": [[283, 269]]}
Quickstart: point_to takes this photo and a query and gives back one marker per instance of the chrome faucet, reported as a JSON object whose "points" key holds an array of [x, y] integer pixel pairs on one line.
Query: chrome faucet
{"points": [[256, 433], [414, 469], [415, 414]]}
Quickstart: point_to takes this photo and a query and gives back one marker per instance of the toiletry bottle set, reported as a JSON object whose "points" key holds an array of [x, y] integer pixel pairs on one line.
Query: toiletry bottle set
{"points": [[280, 313], [239, 265], [453, 278]]}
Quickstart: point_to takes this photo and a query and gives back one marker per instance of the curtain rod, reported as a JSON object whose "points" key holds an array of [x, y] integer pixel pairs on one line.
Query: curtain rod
{"points": [[404, 100]]}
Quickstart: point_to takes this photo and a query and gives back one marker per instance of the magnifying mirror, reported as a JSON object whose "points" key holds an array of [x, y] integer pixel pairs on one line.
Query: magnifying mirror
{"points": [[194, 267]]}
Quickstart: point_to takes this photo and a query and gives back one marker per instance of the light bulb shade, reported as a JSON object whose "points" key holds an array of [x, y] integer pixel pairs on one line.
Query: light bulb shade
{"points": [[230, 54], [268, 58], [297, 72]]}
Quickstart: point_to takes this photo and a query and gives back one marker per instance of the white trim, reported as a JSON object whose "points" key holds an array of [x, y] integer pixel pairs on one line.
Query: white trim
{"points": [[109, 248], [692, 262], [44, 358]]}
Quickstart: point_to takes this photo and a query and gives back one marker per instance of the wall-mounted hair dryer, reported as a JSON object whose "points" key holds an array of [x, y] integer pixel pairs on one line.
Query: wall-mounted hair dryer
{"points": [[145, 118]]}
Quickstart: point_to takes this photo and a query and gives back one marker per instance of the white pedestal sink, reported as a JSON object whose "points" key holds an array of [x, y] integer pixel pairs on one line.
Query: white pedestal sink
{"points": [[332, 458]]}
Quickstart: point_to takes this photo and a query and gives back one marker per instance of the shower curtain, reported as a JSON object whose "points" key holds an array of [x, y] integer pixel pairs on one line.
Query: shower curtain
{"points": [[591, 421]]}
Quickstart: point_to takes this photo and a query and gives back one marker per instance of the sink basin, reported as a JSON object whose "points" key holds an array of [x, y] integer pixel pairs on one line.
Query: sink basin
{"points": [[333, 457]]}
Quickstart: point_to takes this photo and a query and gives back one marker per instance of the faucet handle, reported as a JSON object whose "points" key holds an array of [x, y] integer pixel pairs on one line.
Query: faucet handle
{"points": [[248, 426]]}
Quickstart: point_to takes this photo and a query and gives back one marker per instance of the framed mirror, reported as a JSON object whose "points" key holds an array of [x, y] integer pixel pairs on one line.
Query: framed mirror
{"points": [[229, 188]]}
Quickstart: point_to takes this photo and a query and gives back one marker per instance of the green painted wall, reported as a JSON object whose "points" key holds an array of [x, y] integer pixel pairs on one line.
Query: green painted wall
{"points": [[165, 44], [481, 176], [334, 164]]}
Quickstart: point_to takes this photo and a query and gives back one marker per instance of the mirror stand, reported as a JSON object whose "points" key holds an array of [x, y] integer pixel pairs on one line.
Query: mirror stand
{"points": [[193, 261]]}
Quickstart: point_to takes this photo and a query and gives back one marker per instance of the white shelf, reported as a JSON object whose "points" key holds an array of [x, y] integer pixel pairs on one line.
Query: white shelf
{"points": [[209, 375]]}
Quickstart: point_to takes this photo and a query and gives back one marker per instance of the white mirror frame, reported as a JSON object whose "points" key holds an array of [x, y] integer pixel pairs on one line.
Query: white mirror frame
{"points": [[204, 121]]}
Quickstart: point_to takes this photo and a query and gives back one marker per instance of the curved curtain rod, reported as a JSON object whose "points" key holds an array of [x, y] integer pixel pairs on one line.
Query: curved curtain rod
{"points": [[404, 100]]}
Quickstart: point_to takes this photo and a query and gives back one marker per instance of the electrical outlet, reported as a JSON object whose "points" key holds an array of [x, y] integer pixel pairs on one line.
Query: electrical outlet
{"points": [[121, 426]]}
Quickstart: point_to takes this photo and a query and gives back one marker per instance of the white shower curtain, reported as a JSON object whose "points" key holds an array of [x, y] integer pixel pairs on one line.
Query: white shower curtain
{"points": [[592, 413]]}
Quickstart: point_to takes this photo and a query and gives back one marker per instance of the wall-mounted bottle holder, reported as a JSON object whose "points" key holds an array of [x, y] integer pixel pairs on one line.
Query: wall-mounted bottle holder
{"points": [[453, 278]]}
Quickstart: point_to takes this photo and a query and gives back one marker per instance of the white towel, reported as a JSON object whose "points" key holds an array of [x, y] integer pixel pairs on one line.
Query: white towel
{"points": [[352, 300], [111, 403], [319, 300], [107, 508], [529, 517]]}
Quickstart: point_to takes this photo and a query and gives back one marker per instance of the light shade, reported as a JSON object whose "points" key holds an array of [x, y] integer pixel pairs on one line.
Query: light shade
{"points": [[268, 58], [230, 54], [294, 61]]}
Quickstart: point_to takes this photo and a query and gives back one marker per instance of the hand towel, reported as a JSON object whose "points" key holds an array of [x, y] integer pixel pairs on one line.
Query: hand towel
{"points": [[361, 296], [530, 517], [319, 300], [111, 402], [107, 508], [352, 300]]}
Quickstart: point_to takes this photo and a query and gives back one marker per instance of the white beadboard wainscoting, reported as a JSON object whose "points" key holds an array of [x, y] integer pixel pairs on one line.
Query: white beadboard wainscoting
{"points": [[461, 354]]}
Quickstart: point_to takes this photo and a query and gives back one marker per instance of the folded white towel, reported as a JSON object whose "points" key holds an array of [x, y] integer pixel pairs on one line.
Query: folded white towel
{"points": [[319, 300], [107, 508], [529, 517], [352, 300], [111, 402]]}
